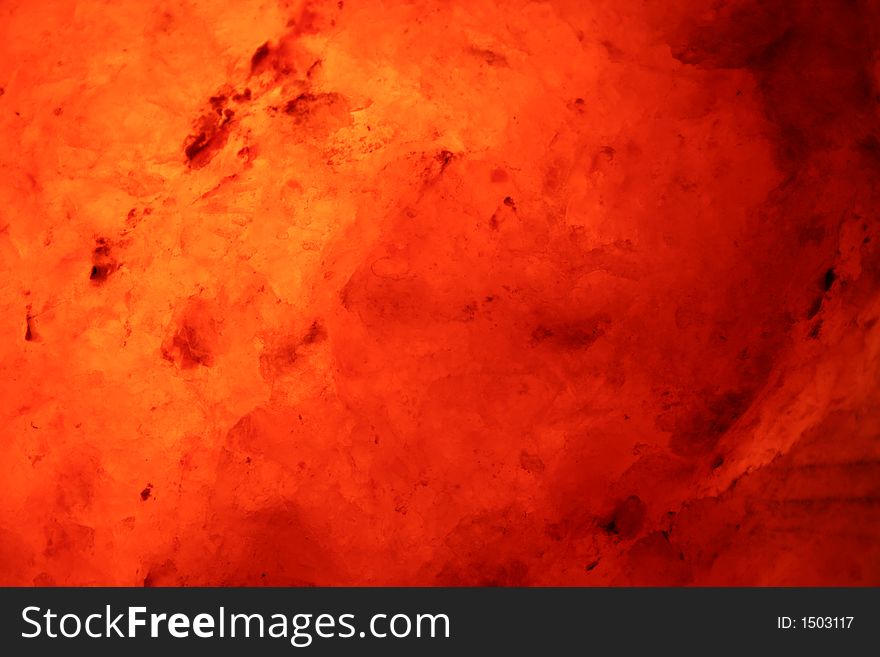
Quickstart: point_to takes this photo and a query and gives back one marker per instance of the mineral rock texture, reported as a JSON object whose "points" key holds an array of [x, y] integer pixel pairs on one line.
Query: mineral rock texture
{"points": [[469, 292]]}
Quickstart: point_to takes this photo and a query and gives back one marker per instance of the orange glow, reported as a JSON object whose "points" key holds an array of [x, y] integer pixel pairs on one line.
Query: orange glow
{"points": [[439, 292]]}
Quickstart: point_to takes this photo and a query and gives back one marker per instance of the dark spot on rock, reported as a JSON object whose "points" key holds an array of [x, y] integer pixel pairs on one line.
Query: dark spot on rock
{"points": [[628, 518], [207, 139], [444, 157], [259, 56], [718, 461], [509, 202], [98, 274], [570, 336], [828, 280], [498, 175], [614, 53], [313, 68], [146, 492], [28, 332], [531, 463], [815, 307], [243, 96], [320, 114], [541, 333], [316, 333], [592, 565], [194, 339], [103, 262], [491, 57], [102, 247], [299, 105], [195, 144]]}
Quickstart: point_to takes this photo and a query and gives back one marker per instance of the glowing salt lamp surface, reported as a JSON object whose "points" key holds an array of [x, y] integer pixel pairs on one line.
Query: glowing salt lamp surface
{"points": [[442, 293]]}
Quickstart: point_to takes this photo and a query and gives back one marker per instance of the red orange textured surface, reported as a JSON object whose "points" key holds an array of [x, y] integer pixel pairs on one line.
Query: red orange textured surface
{"points": [[439, 293]]}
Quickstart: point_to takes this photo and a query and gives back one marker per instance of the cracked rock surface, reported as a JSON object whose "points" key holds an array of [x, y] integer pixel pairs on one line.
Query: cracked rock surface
{"points": [[439, 293]]}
